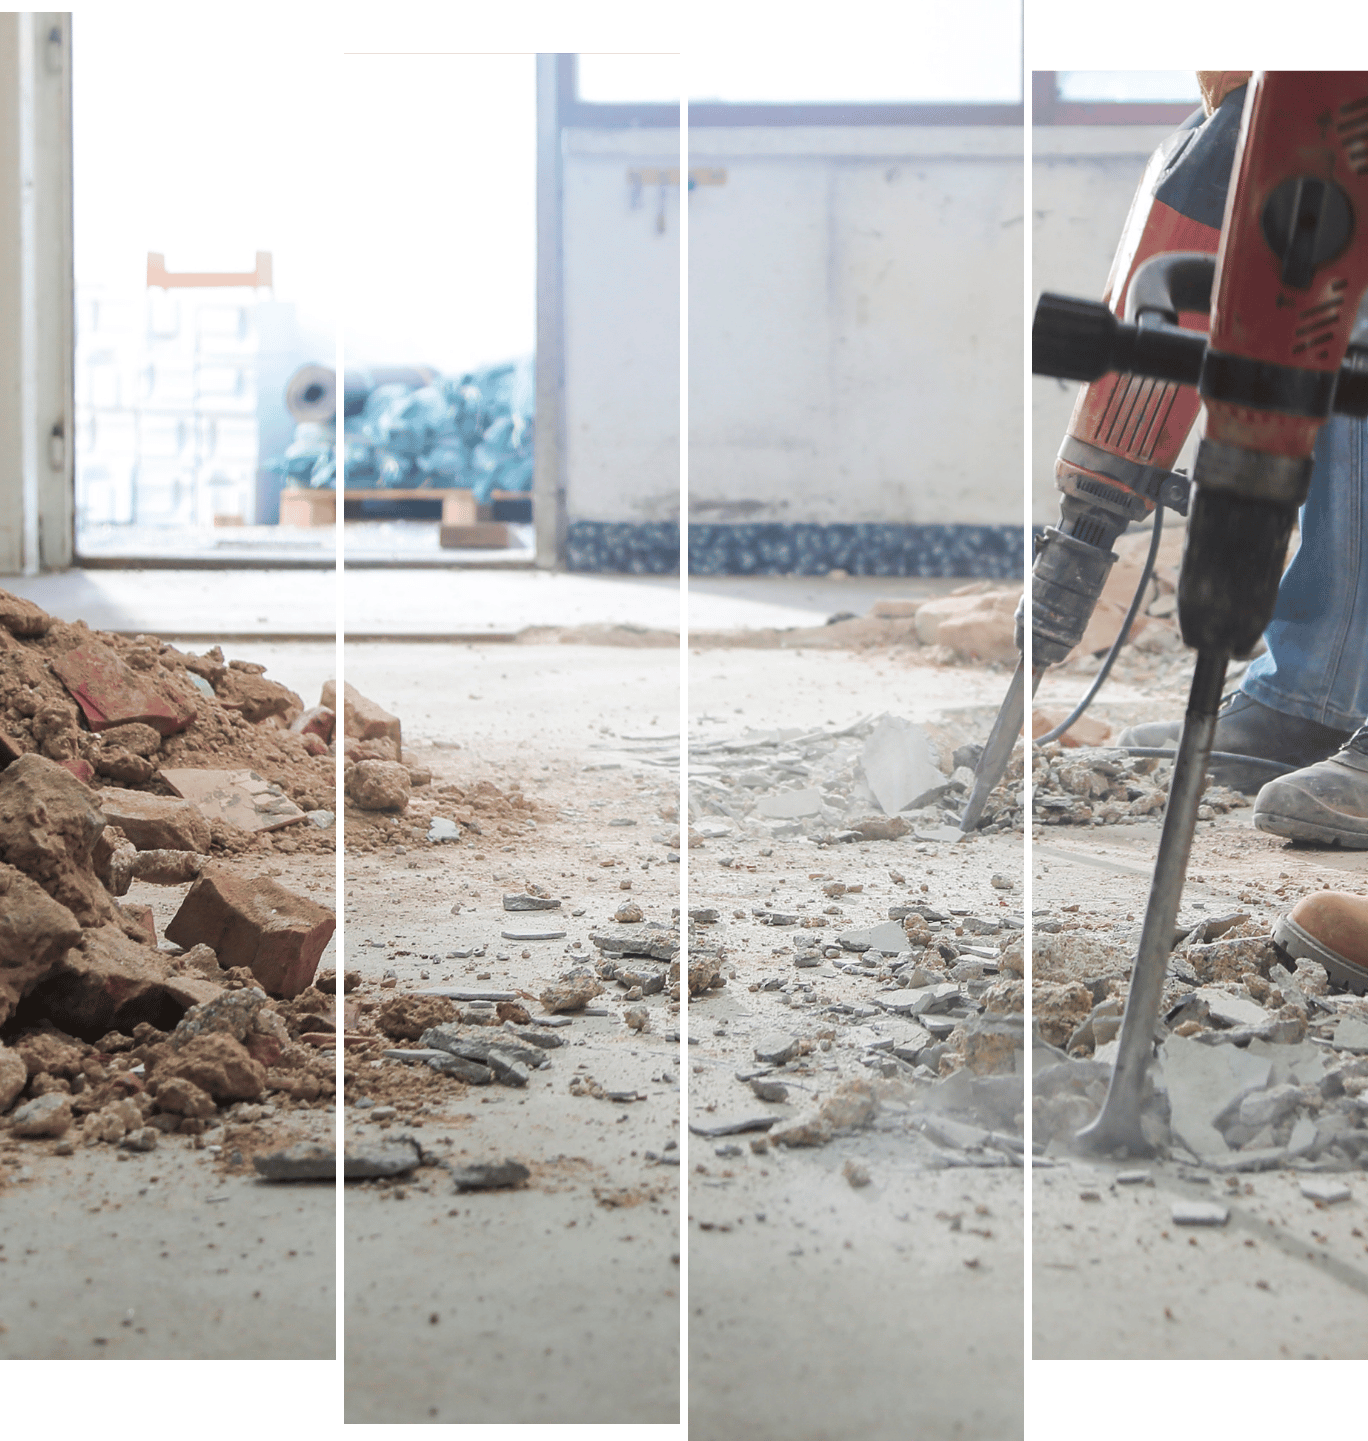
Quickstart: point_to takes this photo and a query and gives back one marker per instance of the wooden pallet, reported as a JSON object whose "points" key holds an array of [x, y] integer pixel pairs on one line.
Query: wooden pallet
{"points": [[302, 505]]}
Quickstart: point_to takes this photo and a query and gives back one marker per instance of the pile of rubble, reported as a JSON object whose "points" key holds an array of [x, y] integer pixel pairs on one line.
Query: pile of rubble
{"points": [[1262, 1063], [1107, 786], [124, 761], [935, 1028], [136, 714]]}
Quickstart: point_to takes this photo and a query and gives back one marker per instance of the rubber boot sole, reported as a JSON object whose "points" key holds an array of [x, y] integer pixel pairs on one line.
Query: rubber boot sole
{"points": [[1294, 828], [1301, 945]]}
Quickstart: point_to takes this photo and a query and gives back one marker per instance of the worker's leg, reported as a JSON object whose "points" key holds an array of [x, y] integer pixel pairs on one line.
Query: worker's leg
{"points": [[1316, 665], [1299, 702], [1316, 668]]}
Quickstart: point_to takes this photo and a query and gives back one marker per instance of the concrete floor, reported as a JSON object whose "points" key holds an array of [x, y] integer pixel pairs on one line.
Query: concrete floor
{"points": [[435, 603]]}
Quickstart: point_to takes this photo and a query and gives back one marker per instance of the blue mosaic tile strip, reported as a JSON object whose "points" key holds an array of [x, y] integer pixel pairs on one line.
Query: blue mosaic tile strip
{"points": [[990, 552], [648, 548]]}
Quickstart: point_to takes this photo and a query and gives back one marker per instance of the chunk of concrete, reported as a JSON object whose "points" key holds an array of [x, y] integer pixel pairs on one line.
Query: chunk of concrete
{"points": [[367, 1161], [13, 1077], [889, 938], [1200, 1213], [790, 805], [306, 1161], [1351, 1034], [378, 785], [49, 827], [572, 992], [35, 933], [1267, 1108], [1204, 1082], [489, 1175], [777, 1049], [255, 922], [1328, 1190], [47, 1115], [897, 764], [1231, 1010], [219, 1065], [156, 823]]}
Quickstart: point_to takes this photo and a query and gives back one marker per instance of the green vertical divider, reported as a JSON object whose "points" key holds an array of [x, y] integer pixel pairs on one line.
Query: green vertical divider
{"points": [[1182, 1398]]}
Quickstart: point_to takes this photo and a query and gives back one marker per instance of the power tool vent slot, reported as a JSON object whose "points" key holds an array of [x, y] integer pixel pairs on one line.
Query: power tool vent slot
{"points": [[1086, 486], [1092, 532], [1353, 133], [1136, 412], [1317, 323]]}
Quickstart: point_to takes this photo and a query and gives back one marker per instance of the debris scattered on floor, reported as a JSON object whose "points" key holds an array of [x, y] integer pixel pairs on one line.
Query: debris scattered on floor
{"points": [[1082, 786], [126, 761]]}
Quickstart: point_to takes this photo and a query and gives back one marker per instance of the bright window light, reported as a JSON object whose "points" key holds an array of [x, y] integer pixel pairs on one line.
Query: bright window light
{"points": [[629, 79], [441, 270], [1175, 87], [940, 59]]}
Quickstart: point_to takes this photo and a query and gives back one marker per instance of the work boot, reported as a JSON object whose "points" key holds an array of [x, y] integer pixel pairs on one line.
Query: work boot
{"points": [[1330, 927], [1247, 727], [1326, 803]]}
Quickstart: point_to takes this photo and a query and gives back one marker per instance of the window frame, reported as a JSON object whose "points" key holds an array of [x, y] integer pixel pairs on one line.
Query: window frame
{"points": [[579, 114], [1048, 109]]}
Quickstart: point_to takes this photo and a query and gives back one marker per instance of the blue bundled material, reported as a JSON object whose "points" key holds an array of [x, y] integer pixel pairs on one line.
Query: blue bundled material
{"points": [[474, 432]]}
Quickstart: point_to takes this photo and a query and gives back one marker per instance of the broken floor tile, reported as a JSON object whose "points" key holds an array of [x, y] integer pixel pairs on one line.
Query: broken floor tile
{"points": [[240, 797]]}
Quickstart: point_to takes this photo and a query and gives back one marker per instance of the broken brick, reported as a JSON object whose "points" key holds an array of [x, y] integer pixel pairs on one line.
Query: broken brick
{"points": [[112, 693], [316, 721], [257, 923], [362, 719]]}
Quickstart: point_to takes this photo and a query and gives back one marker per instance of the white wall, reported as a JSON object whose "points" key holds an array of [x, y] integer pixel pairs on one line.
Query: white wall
{"points": [[621, 319], [1083, 179], [855, 326]]}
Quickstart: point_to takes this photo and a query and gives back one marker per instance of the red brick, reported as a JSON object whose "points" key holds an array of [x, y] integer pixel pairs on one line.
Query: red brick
{"points": [[257, 923], [112, 693]]}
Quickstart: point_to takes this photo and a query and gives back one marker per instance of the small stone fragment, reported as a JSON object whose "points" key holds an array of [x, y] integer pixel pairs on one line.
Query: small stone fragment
{"points": [[856, 1174], [489, 1175], [1200, 1213], [1326, 1189], [49, 1115]]}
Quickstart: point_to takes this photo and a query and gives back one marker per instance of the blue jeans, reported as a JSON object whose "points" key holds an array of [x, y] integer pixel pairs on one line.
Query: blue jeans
{"points": [[1316, 665]]}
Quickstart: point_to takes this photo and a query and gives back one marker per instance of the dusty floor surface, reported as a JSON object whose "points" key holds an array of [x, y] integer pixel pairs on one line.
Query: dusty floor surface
{"points": [[560, 1283], [557, 1301]]}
